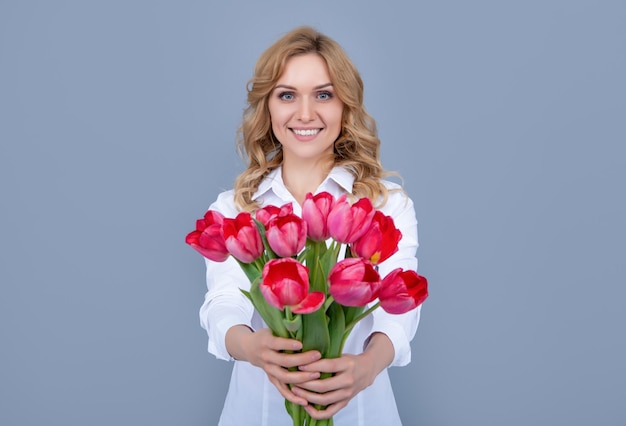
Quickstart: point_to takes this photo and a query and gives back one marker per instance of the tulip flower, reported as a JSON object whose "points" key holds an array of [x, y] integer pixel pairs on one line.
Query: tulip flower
{"points": [[346, 223], [267, 213], [402, 291], [242, 238], [285, 282], [207, 238], [286, 235], [380, 241], [315, 210], [354, 282]]}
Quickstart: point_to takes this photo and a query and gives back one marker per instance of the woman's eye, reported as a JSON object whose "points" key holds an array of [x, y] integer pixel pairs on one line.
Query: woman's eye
{"points": [[324, 96], [286, 96]]}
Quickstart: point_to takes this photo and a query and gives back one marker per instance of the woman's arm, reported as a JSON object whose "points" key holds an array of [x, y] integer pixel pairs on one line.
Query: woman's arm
{"points": [[400, 329]]}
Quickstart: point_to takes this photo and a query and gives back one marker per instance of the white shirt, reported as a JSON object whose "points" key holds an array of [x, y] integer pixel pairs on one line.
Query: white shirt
{"points": [[252, 399]]}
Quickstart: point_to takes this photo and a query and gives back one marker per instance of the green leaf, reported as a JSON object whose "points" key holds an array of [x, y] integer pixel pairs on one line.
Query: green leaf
{"points": [[315, 332], [329, 258], [272, 316], [294, 324], [317, 278], [252, 271], [336, 326], [351, 312], [266, 245], [246, 293]]}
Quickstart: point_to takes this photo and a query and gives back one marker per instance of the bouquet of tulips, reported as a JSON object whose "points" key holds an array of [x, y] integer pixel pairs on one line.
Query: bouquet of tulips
{"points": [[298, 284]]}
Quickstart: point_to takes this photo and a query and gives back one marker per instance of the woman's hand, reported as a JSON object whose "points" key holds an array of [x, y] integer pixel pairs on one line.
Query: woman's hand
{"points": [[266, 351], [351, 374]]}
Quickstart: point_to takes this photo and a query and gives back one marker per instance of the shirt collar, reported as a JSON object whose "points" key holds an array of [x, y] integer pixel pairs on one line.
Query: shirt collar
{"points": [[274, 181]]}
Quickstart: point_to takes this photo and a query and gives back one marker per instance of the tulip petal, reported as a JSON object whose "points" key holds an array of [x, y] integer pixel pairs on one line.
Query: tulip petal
{"points": [[309, 304]]}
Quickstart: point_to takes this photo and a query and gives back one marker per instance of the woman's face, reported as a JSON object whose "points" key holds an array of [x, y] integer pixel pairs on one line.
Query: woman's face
{"points": [[304, 109]]}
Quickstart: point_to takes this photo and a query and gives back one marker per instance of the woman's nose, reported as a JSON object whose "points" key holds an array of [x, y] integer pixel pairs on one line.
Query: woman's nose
{"points": [[305, 110]]}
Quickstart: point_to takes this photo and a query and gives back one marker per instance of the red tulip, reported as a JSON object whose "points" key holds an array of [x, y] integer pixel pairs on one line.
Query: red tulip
{"points": [[286, 283], [242, 238], [267, 213], [315, 210], [402, 291], [354, 282], [346, 222], [207, 239], [286, 235], [380, 241]]}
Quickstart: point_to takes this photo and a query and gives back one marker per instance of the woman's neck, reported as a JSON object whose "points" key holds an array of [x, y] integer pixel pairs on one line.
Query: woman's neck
{"points": [[301, 179]]}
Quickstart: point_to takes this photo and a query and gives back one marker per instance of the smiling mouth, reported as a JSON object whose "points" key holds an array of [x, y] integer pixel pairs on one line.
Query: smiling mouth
{"points": [[307, 132]]}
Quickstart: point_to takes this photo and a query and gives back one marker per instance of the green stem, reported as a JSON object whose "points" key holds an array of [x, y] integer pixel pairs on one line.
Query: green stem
{"points": [[350, 326], [329, 300], [297, 415]]}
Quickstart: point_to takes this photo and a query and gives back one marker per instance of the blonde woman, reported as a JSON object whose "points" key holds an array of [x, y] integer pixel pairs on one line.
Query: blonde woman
{"points": [[306, 130]]}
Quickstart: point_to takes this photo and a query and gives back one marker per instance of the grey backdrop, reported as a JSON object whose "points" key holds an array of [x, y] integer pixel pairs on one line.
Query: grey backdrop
{"points": [[506, 119]]}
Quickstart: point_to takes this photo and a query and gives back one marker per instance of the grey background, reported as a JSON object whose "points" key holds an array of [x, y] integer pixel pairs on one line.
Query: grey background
{"points": [[506, 120]]}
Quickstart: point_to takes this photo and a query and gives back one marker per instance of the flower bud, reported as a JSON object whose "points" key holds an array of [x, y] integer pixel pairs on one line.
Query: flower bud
{"points": [[207, 239], [354, 282], [286, 283], [242, 238], [402, 291]]}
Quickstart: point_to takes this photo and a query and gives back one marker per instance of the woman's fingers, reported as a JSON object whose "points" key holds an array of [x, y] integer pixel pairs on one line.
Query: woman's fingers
{"points": [[296, 360], [286, 393], [281, 343], [275, 355], [289, 377], [350, 375], [327, 412]]}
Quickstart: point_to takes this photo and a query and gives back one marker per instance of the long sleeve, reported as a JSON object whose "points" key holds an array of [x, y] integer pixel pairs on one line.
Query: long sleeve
{"points": [[400, 328], [224, 305]]}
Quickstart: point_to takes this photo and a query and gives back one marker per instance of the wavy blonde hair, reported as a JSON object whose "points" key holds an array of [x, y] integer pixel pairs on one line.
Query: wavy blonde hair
{"points": [[357, 148]]}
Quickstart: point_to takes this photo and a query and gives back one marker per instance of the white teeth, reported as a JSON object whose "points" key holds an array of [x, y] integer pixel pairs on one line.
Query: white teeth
{"points": [[308, 132]]}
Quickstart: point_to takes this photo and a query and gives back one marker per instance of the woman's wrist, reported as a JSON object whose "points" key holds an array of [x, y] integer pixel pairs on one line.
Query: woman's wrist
{"points": [[236, 337], [378, 353]]}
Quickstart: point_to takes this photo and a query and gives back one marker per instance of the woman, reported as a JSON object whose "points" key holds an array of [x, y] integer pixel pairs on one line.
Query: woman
{"points": [[306, 130]]}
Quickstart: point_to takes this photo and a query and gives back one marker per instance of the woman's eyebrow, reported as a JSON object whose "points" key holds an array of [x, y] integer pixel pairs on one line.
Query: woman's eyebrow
{"points": [[285, 86]]}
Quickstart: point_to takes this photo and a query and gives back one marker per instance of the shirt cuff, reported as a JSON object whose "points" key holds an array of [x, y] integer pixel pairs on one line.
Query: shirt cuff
{"points": [[222, 319], [400, 331]]}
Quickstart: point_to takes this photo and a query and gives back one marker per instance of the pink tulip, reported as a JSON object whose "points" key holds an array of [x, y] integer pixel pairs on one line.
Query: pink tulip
{"points": [[402, 291], [354, 282], [267, 213], [346, 222], [286, 283], [380, 240], [286, 235], [242, 238], [315, 210], [207, 239]]}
